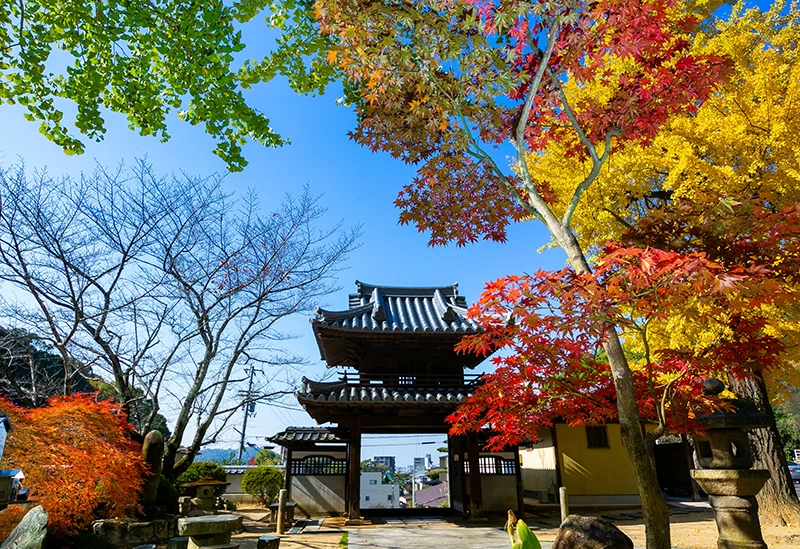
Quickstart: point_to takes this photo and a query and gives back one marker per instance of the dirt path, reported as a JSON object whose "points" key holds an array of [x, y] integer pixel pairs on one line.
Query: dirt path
{"points": [[690, 531]]}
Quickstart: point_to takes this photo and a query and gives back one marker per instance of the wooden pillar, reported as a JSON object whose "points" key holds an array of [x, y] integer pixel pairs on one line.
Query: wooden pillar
{"points": [[354, 470], [289, 474], [690, 465], [520, 488], [475, 492]]}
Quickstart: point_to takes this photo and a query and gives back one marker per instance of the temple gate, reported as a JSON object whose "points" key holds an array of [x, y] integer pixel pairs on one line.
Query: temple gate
{"points": [[400, 374]]}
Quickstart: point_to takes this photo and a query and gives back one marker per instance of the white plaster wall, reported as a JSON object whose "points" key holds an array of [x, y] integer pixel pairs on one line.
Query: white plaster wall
{"points": [[334, 452], [538, 462], [318, 495], [499, 492]]}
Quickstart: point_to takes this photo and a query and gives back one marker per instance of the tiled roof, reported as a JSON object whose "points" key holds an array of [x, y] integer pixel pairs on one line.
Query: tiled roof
{"points": [[432, 496], [342, 393], [385, 309], [306, 434]]}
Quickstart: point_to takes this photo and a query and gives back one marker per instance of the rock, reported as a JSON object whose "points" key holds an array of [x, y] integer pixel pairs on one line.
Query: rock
{"points": [[127, 533], [30, 532], [152, 453], [579, 532]]}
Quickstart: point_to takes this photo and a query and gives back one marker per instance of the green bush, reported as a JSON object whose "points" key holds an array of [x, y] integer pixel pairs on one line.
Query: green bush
{"points": [[263, 483], [167, 496], [198, 470]]}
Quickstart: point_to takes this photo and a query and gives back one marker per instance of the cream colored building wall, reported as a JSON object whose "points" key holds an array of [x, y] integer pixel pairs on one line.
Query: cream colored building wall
{"points": [[538, 463], [594, 471]]}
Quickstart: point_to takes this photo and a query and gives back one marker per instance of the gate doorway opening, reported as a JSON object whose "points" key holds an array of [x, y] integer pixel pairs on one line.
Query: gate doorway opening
{"points": [[404, 471]]}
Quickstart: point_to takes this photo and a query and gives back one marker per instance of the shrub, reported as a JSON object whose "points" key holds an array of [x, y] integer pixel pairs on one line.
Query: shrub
{"points": [[167, 496], [263, 483], [79, 460], [198, 470], [9, 518]]}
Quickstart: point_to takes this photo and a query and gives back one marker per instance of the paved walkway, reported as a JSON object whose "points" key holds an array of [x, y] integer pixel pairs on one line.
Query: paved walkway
{"points": [[425, 532]]}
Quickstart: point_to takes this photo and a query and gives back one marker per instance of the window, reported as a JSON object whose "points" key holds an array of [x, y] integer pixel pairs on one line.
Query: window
{"points": [[372, 481], [318, 465], [366, 498], [597, 437], [494, 465], [389, 497]]}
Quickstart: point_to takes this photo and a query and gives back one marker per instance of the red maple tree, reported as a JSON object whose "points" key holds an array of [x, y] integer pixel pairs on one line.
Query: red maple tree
{"points": [[550, 329], [78, 459]]}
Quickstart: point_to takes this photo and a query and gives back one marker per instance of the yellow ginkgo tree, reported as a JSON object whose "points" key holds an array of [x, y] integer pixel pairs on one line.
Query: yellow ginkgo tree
{"points": [[717, 181]]}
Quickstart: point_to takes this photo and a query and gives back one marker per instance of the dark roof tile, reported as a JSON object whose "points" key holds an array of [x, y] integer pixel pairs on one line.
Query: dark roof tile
{"points": [[339, 393], [386, 309]]}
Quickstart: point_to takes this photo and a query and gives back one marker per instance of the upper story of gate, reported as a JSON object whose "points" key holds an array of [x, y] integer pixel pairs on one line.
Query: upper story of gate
{"points": [[398, 335]]}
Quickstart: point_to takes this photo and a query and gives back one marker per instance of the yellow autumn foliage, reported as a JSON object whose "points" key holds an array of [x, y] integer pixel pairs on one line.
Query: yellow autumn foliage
{"points": [[742, 141]]}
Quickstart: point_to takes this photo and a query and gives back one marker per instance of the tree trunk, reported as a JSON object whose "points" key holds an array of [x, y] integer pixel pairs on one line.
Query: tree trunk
{"points": [[654, 506], [777, 500]]}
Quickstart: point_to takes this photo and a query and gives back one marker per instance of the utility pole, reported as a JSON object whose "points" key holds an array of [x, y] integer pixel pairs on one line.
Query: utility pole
{"points": [[249, 408]]}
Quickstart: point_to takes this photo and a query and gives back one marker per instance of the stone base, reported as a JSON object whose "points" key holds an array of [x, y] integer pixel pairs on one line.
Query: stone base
{"points": [[727, 544], [125, 533], [269, 542], [478, 520], [178, 543], [737, 522], [354, 522], [730, 482]]}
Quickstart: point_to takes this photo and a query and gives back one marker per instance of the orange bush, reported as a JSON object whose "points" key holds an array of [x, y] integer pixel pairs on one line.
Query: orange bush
{"points": [[9, 518], [78, 458]]}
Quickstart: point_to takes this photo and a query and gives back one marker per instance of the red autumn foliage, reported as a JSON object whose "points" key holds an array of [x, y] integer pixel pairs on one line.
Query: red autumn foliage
{"points": [[433, 82], [550, 327], [78, 459], [730, 230]]}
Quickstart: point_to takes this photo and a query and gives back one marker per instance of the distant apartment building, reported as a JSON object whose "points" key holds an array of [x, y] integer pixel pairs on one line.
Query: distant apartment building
{"points": [[388, 461], [376, 494]]}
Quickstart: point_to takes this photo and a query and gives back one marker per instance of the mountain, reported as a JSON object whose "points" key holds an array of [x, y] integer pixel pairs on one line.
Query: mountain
{"points": [[227, 455]]}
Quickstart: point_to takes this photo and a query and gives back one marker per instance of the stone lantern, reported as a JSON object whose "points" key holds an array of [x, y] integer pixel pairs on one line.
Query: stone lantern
{"points": [[204, 500], [726, 475]]}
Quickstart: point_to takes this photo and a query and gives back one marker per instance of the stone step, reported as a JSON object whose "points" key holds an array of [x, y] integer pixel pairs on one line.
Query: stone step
{"points": [[178, 543], [268, 542]]}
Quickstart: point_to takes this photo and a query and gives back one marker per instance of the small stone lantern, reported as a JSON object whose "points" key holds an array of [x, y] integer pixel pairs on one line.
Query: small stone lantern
{"points": [[725, 455], [203, 502]]}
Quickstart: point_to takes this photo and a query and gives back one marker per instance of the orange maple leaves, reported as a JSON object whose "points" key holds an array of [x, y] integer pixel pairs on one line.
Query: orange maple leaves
{"points": [[78, 459]]}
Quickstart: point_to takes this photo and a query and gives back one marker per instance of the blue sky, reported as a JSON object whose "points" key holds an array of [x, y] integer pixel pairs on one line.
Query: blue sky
{"points": [[358, 187]]}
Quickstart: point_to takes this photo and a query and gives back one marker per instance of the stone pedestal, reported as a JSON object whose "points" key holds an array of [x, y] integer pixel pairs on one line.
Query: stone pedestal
{"points": [[269, 542], [726, 457], [210, 530], [731, 493]]}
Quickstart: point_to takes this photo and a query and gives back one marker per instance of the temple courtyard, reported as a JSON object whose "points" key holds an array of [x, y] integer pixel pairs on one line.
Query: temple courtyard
{"points": [[692, 528]]}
